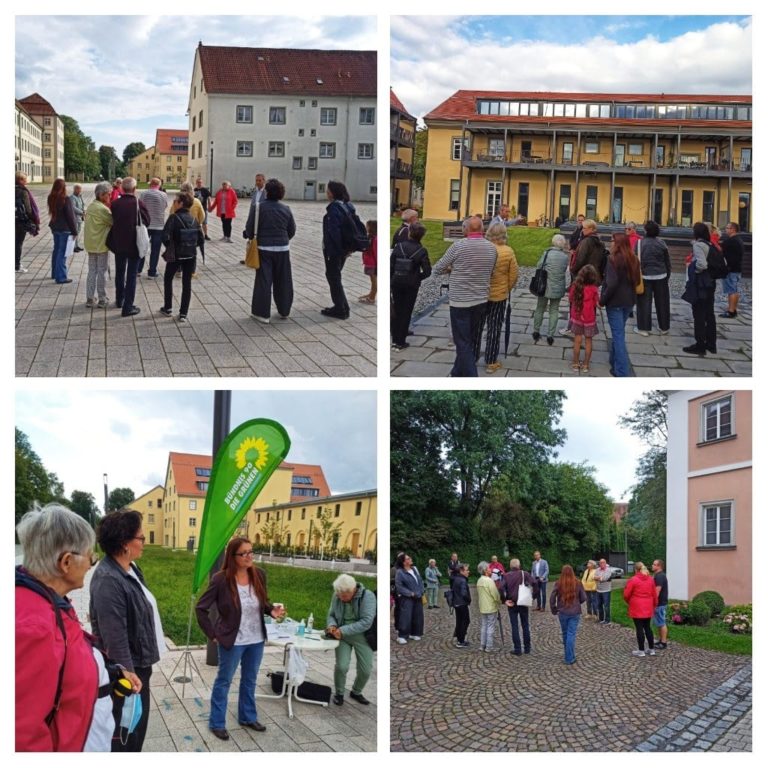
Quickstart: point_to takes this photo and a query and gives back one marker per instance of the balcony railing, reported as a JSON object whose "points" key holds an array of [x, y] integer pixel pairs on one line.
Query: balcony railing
{"points": [[397, 133], [398, 166]]}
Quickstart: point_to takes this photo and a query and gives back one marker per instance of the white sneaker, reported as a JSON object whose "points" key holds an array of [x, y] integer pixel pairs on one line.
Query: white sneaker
{"points": [[651, 652], [21, 269], [664, 333], [414, 637], [261, 319], [639, 332], [639, 654], [401, 641], [566, 332]]}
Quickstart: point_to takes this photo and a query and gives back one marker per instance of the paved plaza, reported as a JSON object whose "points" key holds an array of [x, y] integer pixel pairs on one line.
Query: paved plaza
{"points": [[57, 335], [447, 699], [432, 352]]}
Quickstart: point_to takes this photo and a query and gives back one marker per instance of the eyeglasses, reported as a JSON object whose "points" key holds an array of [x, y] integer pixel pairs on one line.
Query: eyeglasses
{"points": [[93, 557], [142, 539], [249, 553]]}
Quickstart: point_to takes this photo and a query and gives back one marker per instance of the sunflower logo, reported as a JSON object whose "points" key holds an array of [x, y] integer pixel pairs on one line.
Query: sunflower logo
{"points": [[253, 449]]}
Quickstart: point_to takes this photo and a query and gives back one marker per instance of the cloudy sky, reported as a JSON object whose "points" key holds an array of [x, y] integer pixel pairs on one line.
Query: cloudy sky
{"points": [[121, 77], [80, 435], [434, 56]]}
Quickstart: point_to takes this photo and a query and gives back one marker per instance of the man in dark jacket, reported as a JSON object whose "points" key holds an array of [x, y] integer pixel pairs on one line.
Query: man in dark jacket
{"points": [[126, 212], [590, 251], [578, 234], [733, 250], [510, 587], [461, 603]]}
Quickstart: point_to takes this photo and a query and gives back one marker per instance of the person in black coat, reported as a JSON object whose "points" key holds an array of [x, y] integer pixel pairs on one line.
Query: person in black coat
{"points": [[461, 603], [334, 251], [408, 266], [182, 236]]}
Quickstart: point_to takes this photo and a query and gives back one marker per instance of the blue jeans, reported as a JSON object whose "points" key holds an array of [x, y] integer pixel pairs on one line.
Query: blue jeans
{"points": [[58, 257], [569, 625], [249, 658], [155, 243], [618, 357], [604, 606], [592, 603], [522, 612], [465, 322]]}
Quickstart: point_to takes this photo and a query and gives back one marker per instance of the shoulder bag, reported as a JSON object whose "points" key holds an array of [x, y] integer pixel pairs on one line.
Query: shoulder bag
{"points": [[252, 259], [524, 593], [142, 235], [538, 286]]}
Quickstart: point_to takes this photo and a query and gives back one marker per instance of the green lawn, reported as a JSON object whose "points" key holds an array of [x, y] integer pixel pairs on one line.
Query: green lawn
{"points": [[528, 243], [169, 577], [714, 637]]}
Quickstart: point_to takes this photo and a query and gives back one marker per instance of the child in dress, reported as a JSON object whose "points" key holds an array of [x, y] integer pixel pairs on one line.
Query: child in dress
{"points": [[369, 263], [584, 296]]}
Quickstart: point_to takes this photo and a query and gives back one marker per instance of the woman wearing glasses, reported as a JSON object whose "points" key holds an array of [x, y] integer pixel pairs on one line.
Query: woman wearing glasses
{"points": [[239, 593], [58, 671], [124, 614]]}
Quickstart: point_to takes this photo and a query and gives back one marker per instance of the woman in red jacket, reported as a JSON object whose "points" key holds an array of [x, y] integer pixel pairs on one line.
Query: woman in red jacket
{"points": [[226, 202], [640, 596]]}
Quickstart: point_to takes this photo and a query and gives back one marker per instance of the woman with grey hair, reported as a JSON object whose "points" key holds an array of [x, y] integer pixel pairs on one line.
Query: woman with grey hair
{"points": [[555, 261], [61, 701], [351, 613], [503, 280], [98, 223], [488, 600]]}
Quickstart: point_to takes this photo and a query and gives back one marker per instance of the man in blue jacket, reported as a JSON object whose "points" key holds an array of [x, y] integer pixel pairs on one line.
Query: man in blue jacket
{"points": [[540, 574]]}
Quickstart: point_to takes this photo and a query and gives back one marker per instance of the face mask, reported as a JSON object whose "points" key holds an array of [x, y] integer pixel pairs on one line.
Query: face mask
{"points": [[130, 717]]}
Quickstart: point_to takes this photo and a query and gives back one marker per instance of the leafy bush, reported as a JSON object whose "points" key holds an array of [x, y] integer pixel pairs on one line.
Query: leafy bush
{"points": [[714, 600], [696, 612], [675, 610], [739, 619]]}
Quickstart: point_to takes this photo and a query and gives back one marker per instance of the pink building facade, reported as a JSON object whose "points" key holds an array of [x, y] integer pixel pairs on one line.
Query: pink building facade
{"points": [[709, 494]]}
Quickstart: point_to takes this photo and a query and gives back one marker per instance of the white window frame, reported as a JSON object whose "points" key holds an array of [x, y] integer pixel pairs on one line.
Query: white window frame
{"points": [[365, 151], [365, 111], [276, 149], [720, 506], [276, 112], [330, 146], [492, 197], [456, 144], [588, 151], [637, 146], [244, 149], [454, 192], [326, 113], [703, 418], [243, 113], [192, 505]]}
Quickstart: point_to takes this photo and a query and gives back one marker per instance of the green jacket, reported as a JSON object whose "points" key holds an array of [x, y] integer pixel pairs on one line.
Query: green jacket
{"points": [[364, 604], [98, 222]]}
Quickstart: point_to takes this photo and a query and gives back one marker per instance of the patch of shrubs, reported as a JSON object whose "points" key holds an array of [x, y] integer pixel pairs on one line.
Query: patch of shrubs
{"points": [[713, 599], [697, 612]]}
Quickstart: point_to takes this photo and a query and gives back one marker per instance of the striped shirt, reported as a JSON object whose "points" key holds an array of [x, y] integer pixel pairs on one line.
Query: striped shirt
{"points": [[470, 262], [156, 202]]}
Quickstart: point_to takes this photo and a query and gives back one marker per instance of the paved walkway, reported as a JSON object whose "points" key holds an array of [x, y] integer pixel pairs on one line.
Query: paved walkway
{"points": [[179, 724], [57, 335], [432, 351], [461, 700]]}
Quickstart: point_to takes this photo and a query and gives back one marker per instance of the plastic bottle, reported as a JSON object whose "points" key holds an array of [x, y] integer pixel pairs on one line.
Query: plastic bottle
{"points": [[301, 629], [311, 622]]}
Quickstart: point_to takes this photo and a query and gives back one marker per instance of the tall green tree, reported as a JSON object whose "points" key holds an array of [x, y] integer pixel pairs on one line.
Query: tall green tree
{"points": [[81, 160], [34, 483], [84, 504], [111, 165], [119, 498], [133, 149], [420, 156]]}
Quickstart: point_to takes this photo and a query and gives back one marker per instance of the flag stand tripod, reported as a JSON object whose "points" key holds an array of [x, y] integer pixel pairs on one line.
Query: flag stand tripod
{"points": [[189, 661]]}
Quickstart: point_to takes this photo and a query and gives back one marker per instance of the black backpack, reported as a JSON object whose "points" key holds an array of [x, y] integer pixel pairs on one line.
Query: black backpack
{"points": [[354, 236], [186, 246], [406, 266], [22, 216], [717, 266], [370, 633]]}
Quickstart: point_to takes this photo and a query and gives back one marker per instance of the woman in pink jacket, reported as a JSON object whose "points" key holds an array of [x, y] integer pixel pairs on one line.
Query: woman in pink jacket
{"points": [[640, 596], [225, 202]]}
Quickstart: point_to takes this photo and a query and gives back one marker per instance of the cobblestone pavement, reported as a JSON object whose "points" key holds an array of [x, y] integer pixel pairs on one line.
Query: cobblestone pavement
{"points": [[57, 335], [462, 700], [432, 351]]}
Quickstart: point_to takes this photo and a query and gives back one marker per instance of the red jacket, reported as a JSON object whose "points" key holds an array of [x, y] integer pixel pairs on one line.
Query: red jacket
{"points": [[640, 596], [231, 202], [39, 655]]}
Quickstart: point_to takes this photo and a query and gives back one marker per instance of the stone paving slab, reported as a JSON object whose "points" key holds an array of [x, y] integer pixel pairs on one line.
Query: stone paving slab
{"points": [[461, 700], [219, 315], [654, 355]]}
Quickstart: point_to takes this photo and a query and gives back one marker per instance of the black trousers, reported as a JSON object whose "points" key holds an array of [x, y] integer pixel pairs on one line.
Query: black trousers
{"points": [[135, 741], [21, 233], [187, 267], [411, 617], [126, 266], [656, 292], [462, 622], [493, 316], [273, 278], [644, 633], [403, 301], [333, 267], [704, 323], [226, 226]]}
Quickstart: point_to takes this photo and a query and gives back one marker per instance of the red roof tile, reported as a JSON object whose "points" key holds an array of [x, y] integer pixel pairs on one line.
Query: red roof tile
{"points": [[35, 104], [395, 103], [288, 71], [164, 141]]}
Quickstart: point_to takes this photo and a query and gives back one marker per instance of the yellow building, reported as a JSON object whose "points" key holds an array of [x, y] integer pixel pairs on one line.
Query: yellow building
{"points": [[142, 167], [166, 160], [299, 525], [151, 507], [402, 137], [675, 159]]}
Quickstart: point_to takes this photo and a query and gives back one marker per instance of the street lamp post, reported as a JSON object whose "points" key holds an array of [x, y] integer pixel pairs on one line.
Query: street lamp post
{"points": [[106, 495], [210, 181]]}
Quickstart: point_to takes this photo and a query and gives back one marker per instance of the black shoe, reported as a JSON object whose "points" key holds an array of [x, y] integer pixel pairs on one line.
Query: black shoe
{"points": [[64, 282], [550, 340], [132, 311], [536, 336], [166, 312], [254, 726], [728, 314], [242, 261], [517, 653], [220, 733], [207, 238], [660, 646], [712, 350], [695, 350], [78, 249], [338, 699], [333, 312], [358, 697]]}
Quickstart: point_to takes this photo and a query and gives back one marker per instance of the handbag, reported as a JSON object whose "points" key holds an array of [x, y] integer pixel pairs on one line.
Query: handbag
{"points": [[524, 593], [252, 259], [423, 598], [142, 235], [538, 286], [640, 287], [169, 254]]}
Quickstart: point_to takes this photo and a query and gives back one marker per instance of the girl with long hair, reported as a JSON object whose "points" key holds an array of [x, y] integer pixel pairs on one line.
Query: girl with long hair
{"points": [[63, 225], [619, 291], [584, 297], [239, 592], [565, 603]]}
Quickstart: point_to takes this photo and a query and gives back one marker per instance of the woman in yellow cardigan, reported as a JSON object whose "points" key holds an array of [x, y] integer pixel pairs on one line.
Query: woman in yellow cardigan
{"points": [[590, 587], [503, 281]]}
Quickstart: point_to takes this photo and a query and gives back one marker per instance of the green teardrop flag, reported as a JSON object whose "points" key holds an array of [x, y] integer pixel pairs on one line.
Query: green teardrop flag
{"points": [[241, 468]]}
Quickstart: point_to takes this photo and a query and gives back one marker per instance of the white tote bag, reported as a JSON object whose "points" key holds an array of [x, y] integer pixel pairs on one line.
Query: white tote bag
{"points": [[142, 235], [70, 249], [524, 594]]}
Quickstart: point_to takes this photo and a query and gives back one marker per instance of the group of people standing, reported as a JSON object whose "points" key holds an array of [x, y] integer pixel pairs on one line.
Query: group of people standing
{"points": [[522, 591]]}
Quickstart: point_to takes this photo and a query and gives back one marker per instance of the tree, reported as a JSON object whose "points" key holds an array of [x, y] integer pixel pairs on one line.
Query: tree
{"points": [[328, 530], [80, 157], [111, 165], [271, 531], [84, 504], [420, 156], [134, 149], [34, 483], [119, 498], [647, 418]]}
